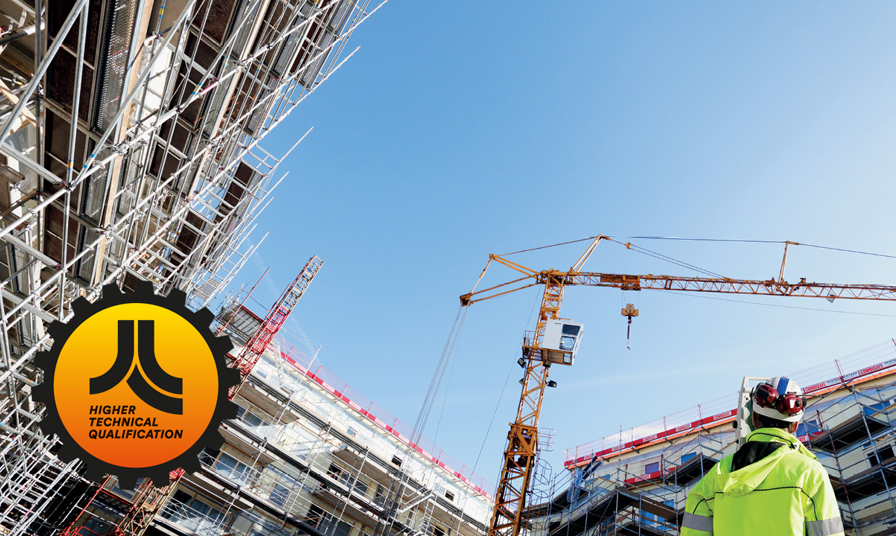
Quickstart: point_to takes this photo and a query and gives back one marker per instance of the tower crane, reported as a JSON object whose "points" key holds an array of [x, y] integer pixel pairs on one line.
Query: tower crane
{"points": [[555, 341], [252, 351]]}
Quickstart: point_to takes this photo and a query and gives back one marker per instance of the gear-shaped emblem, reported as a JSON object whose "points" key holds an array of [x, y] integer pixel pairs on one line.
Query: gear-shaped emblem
{"points": [[135, 385]]}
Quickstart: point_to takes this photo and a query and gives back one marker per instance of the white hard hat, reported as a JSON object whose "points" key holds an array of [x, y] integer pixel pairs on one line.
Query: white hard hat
{"points": [[780, 399]]}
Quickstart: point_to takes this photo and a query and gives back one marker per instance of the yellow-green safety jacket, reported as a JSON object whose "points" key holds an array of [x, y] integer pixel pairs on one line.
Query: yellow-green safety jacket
{"points": [[771, 486]]}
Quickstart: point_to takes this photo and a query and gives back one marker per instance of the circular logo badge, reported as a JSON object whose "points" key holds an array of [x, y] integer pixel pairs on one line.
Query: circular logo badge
{"points": [[135, 385]]}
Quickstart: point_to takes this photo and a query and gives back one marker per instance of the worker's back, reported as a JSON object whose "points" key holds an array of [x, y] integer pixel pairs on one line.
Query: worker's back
{"points": [[771, 486]]}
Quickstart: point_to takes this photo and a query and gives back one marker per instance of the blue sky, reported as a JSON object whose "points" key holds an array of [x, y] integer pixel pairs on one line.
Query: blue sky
{"points": [[456, 132]]}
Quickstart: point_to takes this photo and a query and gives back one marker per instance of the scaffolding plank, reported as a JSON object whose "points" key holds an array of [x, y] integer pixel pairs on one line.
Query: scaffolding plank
{"points": [[849, 433], [693, 469], [867, 483]]}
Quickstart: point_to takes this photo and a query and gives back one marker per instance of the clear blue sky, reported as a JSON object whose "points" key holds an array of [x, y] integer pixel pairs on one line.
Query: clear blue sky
{"points": [[459, 131]]}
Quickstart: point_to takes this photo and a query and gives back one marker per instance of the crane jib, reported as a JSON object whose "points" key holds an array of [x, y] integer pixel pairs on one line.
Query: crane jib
{"points": [[509, 513], [769, 287]]}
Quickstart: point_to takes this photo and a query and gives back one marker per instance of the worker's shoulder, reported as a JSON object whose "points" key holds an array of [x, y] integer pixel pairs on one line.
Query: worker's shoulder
{"points": [[803, 467], [725, 463], [792, 461], [721, 467], [797, 458]]}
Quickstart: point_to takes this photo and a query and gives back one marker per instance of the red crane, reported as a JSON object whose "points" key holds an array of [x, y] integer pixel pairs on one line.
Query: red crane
{"points": [[251, 353]]}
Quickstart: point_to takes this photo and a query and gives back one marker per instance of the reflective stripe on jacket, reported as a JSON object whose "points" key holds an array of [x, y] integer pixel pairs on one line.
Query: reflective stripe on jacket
{"points": [[772, 486]]}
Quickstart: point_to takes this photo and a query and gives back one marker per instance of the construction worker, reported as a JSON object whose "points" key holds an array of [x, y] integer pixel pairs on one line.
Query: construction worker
{"points": [[772, 485]]}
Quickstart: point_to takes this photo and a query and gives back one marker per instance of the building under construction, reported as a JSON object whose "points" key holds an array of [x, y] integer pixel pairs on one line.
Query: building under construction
{"points": [[130, 150], [307, 454], [637, 481]]}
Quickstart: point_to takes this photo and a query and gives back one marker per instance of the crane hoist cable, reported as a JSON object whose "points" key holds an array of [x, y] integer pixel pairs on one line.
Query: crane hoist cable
{"points": [[393, 499], [666, 258], [438, 375], [776, 305], [503, 389], [817, 246], [452, 361], [719, 240]]}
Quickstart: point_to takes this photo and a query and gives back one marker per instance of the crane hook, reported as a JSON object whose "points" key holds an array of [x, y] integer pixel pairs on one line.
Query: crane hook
{"points": [[630, 312]]}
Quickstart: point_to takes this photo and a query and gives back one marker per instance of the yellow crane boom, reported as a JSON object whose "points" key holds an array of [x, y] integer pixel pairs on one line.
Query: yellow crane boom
{"points": [[522, 439]]}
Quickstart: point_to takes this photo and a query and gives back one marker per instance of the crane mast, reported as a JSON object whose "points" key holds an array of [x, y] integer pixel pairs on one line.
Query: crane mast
{"points": [[276, 317], [522, 439]]}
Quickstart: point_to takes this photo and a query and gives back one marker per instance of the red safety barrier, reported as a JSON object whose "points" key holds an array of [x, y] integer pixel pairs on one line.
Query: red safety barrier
{"points": [[881, 357], [384, 420]]}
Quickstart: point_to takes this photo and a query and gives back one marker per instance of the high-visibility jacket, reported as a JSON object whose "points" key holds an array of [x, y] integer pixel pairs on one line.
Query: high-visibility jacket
{"points": [[771, 486]]}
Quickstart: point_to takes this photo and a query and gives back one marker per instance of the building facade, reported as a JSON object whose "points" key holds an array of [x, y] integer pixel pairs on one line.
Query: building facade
{"points": [[301, 458], [131, 149]]}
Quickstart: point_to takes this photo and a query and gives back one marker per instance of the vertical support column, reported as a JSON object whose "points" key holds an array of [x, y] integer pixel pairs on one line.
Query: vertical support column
{"points": [[839, 467], [880, 468], [38, 52], [522, 440]]}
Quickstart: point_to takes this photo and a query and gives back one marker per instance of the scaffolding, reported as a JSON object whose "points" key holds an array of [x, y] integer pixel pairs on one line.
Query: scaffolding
{"points": [[635, 494], [299, 459], [302, 456], [854, 438], [129, 150]]}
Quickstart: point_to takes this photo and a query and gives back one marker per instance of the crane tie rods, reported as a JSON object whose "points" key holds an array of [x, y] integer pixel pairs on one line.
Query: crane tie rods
{"points": [[686, 239]]}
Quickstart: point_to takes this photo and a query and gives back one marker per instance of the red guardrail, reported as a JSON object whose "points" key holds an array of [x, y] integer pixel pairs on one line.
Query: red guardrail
{"points": [[385, 420], [818, 379]]}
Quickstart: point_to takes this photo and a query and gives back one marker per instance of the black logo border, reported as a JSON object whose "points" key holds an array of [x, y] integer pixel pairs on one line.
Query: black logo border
{"points": [[95, 468]]}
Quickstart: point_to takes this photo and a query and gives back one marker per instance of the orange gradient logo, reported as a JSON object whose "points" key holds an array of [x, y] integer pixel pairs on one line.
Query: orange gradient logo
{"points": [[136, 385]]}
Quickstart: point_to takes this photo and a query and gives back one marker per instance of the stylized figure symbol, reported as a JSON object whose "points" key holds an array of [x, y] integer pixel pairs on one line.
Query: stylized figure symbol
{"points": [[147, 368]]}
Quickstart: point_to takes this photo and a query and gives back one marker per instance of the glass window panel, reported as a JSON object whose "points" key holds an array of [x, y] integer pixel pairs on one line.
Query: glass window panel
{"points": [[569, 329], [567, 343]]}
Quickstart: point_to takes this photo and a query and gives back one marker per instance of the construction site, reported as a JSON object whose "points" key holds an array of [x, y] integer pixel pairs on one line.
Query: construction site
{"points": [[636, 482], [131, 136]]}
